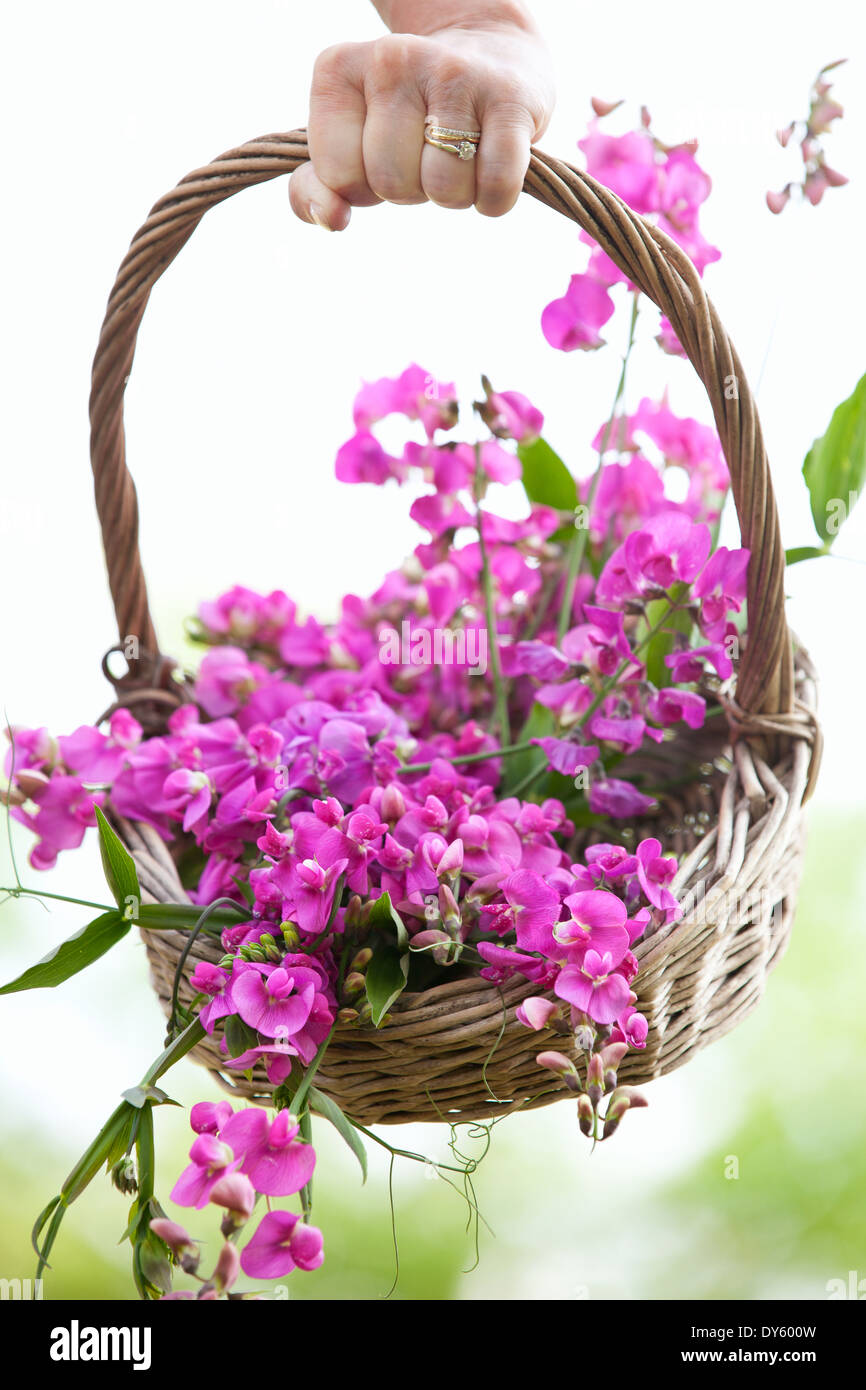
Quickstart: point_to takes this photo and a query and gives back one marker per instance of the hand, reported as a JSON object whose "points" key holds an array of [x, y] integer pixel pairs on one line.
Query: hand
{"points": [[369, 101]]}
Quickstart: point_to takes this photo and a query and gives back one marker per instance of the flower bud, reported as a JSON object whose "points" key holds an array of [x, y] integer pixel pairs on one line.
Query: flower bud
{"points": [[354, 912], [228, 1267], [585, 1114], [611, 1056], [449, 911], [256, 952], [354, 982], [123, 1175], [226, 962], [237, 1194], [536, 1012], [441, 943], [626, 1098], [393, 804], [563, 1066], [291, 935], [346, 1017], [595, 1079], [361, 959], [179, 1242]]}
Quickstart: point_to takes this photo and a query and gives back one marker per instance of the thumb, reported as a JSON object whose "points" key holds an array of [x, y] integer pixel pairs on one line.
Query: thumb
{"points": [[312, 201]]}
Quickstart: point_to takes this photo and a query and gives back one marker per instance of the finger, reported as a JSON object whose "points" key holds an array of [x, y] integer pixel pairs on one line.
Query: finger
{"points": [[502, 160], [393, 139], [335, 126], [446, 179], [313, 201]]}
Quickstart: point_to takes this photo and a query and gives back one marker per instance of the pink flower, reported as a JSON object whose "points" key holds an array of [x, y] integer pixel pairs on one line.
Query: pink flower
{"points": [[211, 1161], [511, 415], [536, 1012], [722, 586], [654, 874], [597, 921], [595, 987], [574, 320], [414, 393], [273, 1000], [626, 164], [669, 706], [362, 459], [566, 756], [282, 1243], [270, 1153], [535, 907], [612, 797], [208, 1117]]}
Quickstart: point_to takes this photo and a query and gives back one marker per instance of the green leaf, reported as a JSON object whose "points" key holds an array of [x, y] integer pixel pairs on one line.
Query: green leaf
{"points": [[240, 1037], [179, 916], [246, 889], [330, 1110], [120, 873], [386, 979], [518, 766], [138, 1096], [72, 955], [383, 914], [805, 552], [663, 642], [835, 466], [546, 479]]}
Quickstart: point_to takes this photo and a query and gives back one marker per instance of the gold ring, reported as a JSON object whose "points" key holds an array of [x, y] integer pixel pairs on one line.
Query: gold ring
{"points": [[463, 143]]}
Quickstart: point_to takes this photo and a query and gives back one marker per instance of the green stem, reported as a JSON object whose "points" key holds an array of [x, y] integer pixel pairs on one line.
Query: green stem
{"points": [[503, 752], [578, 542], [58, 897], [307, 1079], [490, 613], [612, 681], [606, 688]]}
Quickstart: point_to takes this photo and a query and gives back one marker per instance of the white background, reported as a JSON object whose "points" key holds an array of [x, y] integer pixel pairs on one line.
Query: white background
{"points": [[259, 335]]}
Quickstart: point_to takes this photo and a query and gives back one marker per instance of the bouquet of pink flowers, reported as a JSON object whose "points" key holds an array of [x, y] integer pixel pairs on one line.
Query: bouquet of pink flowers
{"points": [[445, 779]]}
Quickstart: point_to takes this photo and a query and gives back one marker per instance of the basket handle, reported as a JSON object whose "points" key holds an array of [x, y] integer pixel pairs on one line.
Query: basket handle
{"points": [[649, 258]]}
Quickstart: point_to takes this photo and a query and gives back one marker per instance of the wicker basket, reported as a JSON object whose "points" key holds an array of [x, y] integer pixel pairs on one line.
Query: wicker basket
{"points": [[456, 1051]]}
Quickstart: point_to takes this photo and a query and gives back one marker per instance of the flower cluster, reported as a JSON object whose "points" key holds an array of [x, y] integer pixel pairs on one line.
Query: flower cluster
{"points": [[237, 1157], [664, 182], [372, 783], [817, 175]]}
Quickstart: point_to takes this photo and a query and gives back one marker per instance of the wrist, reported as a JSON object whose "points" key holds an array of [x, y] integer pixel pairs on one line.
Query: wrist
{"points": [[422, 17]]}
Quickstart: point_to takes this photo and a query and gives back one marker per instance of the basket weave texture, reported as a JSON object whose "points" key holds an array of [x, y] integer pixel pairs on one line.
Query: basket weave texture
{"points": [[456, 1051]]}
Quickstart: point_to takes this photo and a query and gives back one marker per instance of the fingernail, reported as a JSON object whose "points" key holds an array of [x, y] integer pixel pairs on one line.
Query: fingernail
{"points": [[319, 217]]}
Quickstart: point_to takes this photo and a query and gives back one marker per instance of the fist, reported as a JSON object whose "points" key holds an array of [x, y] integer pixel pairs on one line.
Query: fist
{"points": [[368, 105]]}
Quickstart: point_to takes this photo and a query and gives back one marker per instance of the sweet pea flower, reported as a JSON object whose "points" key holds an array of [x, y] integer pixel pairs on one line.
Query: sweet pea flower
{"points": [[362, 459], [669, 706], [610, 796], [270, 1153], [211, 1160], [566, 756], [721, 586], [274, 1000], [415, 393], [537, 1012], [573, 321], [511, 415], [208, 1117], [655, 873], [594, 987], [282, 1242]]}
